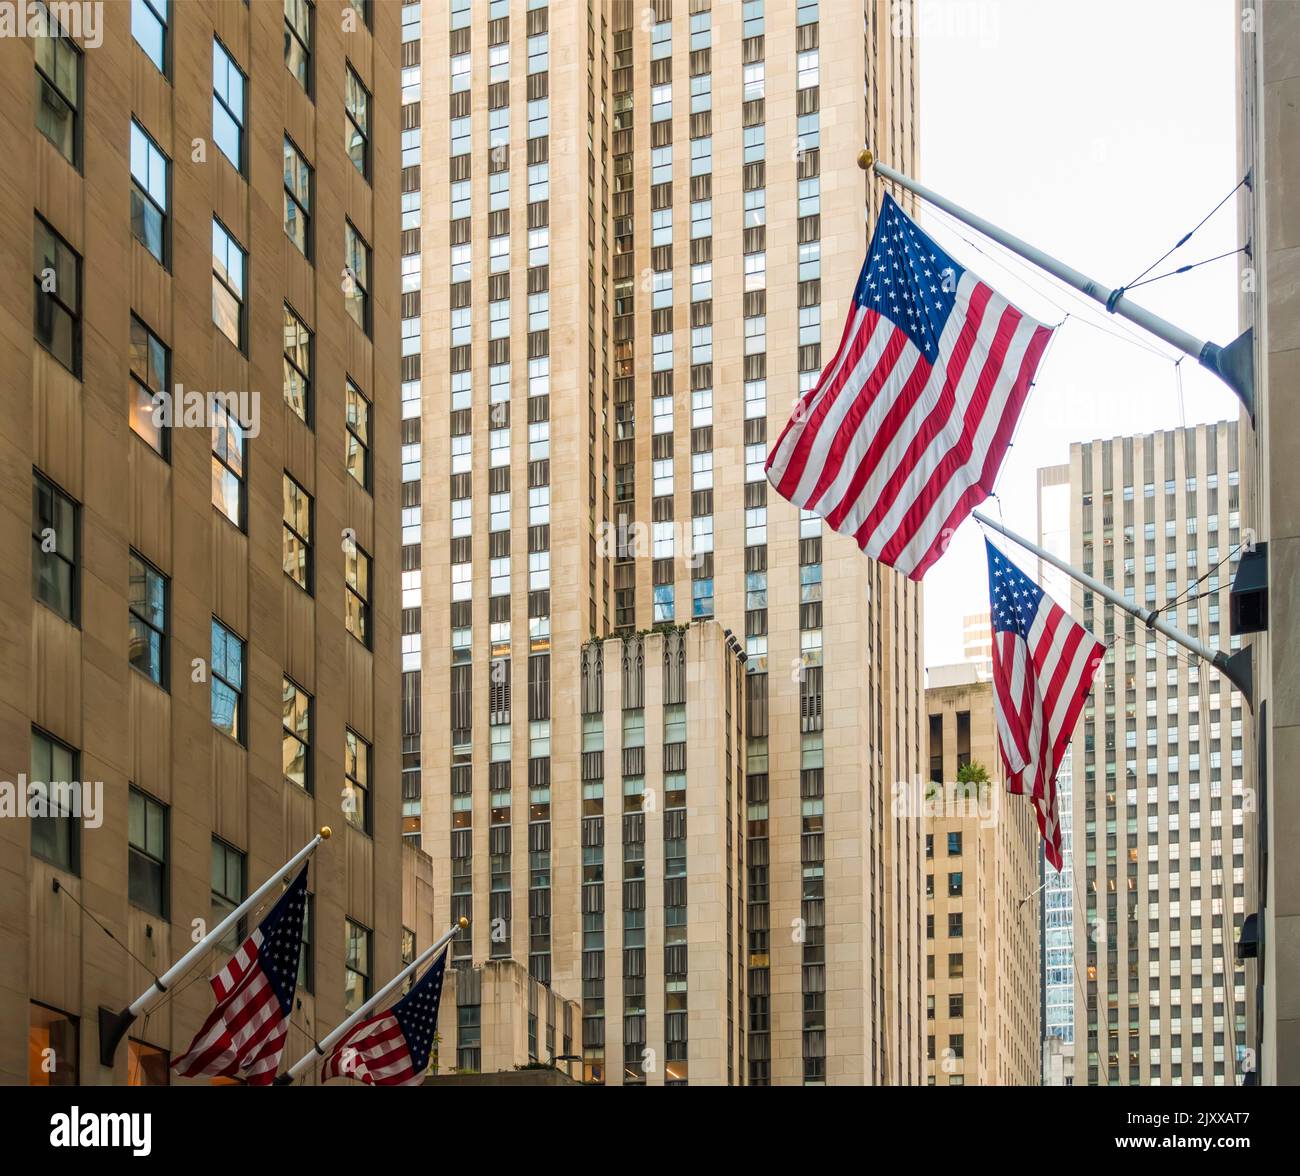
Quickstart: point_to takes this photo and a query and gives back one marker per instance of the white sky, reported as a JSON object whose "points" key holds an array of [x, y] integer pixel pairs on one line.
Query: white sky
{"points": [[1100, 131]]}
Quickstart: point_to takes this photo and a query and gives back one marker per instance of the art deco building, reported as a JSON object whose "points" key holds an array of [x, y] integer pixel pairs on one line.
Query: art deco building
{"points": [[982, 854], [632, 236], [202, 618], [1159, 792]]}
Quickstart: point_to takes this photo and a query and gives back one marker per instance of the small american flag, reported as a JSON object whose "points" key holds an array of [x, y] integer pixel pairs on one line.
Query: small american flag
{"points": [[905, 430], [393, 1047], [244, 1037], [1043, 667]]}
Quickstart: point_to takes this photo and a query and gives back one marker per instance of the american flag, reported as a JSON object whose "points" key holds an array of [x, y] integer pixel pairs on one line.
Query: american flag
{"points": [[1043, 667], [393, 1047], [244, 1037], [904, 432]]}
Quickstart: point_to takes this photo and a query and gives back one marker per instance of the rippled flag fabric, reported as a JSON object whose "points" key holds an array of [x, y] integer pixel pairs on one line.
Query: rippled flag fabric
{"points": [[908, 425], [245, 1034], [1043, 667]]}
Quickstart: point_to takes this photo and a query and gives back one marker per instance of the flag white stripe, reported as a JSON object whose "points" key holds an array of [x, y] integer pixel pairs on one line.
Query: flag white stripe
{"points": [[968, 473], [829, 426], [895, 453]]}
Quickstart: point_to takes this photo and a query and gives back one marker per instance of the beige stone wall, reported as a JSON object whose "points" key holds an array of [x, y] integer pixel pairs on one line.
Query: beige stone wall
{"points": [[75, 681], [1268, 81]]}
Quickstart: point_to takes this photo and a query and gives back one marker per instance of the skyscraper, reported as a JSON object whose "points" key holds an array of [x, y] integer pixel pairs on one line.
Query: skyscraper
{"points": [[643, 228], [1158, 779], [1061, 982], [203, 629]]}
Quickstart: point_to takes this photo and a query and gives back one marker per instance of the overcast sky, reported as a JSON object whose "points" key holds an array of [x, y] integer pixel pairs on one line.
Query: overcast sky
{"points": [[1101, 132]]}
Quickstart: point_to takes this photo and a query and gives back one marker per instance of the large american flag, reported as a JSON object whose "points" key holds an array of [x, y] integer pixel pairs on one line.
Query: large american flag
{"points": [[244, 1037], [1043, 668], [393, 1047], [905, 430]]}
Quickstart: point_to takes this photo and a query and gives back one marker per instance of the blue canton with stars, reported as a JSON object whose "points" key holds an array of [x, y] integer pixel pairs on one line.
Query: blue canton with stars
{"points": [[282, 941], [417, 1013], [908, 279], [1013, 596]]}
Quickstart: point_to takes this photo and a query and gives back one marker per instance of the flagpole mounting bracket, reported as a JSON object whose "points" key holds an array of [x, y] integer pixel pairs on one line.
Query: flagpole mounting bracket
{"points": [[112, 1028]]}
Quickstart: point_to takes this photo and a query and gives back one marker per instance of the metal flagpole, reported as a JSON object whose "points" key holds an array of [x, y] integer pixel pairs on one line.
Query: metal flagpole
{"points": [[112, 1026], [1236, 668], [322, 1048], [1233, 364]]}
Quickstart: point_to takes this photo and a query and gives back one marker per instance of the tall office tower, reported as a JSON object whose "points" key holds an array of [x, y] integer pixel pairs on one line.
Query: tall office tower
{"points": [[982, 853], [1061, 981], [1268, 43], [1158, 787], [647, 218], [205, 629]]}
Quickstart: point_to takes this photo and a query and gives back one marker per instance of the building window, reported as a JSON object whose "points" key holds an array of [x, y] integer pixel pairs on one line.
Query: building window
{"points": [[52, 1054], [227, 681], [356, 780], [228, 446], [149, 28], [356, 126], [356, 259], [149, 176], [147, 853], [356, 604], [358, 436], [228, 881], [58, 90], [295, 737], [57, 270], [956, 966], [229, 265], [356, 967], [54, 548], [297, 198], [150, 375], [147, 600], [297, 534], [228, 105], [297, 364], [55, 835], [297, 40], [954, 884], [147, 1065], [954, 845]]}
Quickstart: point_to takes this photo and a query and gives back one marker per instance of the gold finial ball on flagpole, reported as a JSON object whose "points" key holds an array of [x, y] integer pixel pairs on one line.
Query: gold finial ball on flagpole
{"points": [[325, 832], [463, 923], [866, 161]]}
